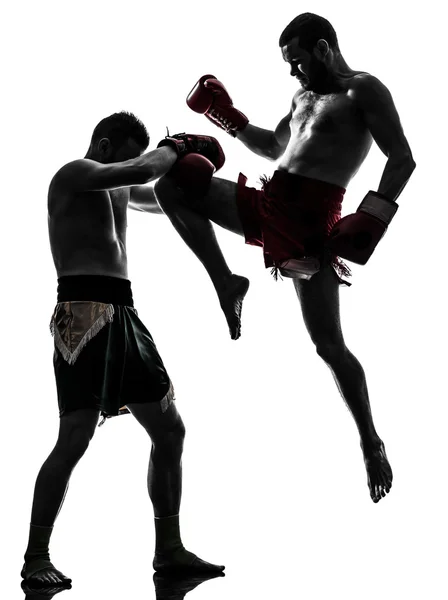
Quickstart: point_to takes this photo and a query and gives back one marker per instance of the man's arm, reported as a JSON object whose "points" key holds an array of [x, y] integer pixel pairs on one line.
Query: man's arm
{"points": [[144, 199], [381, 117], [88, 175], [265, 143]]}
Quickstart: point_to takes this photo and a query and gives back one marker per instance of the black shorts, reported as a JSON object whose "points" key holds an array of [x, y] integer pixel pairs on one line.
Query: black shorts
{"points": [[104, 356]]}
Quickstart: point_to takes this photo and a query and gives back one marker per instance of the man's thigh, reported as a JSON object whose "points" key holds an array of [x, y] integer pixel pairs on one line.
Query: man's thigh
{"points": [[319, 300], [220, 205]]}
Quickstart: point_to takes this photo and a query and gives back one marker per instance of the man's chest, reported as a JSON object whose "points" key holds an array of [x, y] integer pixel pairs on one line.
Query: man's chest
{"points": [[327, 113]]}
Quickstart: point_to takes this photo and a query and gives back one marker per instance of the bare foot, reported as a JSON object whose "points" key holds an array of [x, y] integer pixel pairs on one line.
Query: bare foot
{"points": [[379, 471], [231, 298], [40, 573], [181, 560]]}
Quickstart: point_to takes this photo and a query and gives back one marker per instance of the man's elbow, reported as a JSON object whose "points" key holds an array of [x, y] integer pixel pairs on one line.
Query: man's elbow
{"points": [[405, 160], [276, 150], [409, 161]]}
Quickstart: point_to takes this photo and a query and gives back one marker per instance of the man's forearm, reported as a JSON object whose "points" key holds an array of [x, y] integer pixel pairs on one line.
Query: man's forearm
{"points": [[396, 174], [156, 163], [260, 141]]}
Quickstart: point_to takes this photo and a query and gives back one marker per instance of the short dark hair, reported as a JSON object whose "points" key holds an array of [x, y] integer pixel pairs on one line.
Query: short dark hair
{"points": [[310, 28], [119, 127]]}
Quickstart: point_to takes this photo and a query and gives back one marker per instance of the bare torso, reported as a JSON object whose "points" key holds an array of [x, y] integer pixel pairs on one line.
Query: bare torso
{"points": [[329, 139], [88, 231]]}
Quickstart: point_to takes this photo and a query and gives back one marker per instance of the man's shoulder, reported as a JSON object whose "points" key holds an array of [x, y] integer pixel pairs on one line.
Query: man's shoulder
{"points": [[363, 82], [72, 168], [63, 185], [366, 91], [65, 179]]}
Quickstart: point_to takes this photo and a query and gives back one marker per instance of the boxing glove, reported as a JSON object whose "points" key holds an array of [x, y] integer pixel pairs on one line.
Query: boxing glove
{"points": [[187, 143], [210, 97], [193, 173], [356, 236]]}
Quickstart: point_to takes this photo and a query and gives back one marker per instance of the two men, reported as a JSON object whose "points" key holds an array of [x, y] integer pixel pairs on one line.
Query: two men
{"points": [[320, 144], [105, 360]]}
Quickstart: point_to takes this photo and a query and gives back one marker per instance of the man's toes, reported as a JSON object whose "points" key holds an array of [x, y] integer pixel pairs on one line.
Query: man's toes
{"points": [[53, 578], [374, 494], [382, 479], [235, 332], [41, 579], [204, 566]]}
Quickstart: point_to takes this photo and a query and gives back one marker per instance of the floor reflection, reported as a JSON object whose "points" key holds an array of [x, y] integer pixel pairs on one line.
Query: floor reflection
{"points": [[176, 587], [167, 586], [44, 592]]}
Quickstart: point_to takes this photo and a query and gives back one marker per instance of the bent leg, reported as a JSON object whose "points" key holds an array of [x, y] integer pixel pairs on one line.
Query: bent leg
{"points": [[192, 220], [319, 299], [76, 429], [167, 433]]}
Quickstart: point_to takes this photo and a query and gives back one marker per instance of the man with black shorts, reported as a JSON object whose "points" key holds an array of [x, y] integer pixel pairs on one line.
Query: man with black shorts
{"points": [[105, 359], [296, 218]]}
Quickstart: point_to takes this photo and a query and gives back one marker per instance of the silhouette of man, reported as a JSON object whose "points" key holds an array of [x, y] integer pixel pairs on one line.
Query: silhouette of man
{"points": [[105, 359], [320, 144]]}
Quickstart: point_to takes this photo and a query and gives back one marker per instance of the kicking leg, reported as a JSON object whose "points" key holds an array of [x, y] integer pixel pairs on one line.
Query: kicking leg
{"points": [[194, 226], [167, 433], [319, 299], [75, 432]]}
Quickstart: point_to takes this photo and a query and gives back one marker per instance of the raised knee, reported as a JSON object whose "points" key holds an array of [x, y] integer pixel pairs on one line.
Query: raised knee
{"points": [[330, 351], [166, 190]]}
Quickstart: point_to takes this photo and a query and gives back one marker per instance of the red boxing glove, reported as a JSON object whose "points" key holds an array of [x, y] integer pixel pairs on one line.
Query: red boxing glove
{"points": [[193, 174], [210, 97], [356, 236], [187, 143]]}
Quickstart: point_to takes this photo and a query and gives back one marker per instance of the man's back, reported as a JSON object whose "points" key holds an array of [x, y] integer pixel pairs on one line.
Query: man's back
{"points": [[87, 229]]}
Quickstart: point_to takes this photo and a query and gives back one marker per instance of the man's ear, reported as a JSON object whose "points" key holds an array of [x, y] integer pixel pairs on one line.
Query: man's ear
{"points": [[321, 49], [104, 146]]}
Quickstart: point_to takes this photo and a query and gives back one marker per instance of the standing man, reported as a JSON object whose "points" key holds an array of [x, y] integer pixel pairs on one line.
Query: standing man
{"points": [[323, 140], [105, 359]]}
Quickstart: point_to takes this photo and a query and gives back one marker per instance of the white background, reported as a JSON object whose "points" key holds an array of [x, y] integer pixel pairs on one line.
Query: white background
{"points": [[274, 482]]}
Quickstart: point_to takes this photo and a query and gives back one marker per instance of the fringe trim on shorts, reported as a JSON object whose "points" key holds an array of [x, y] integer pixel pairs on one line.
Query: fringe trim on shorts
{"points": [[341, 268], [264, 180], [276, 274], [107, 316]]}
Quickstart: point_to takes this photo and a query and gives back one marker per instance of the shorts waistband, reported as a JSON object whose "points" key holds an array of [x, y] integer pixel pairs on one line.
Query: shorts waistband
{"points": [[95, 288], [293, 182]]}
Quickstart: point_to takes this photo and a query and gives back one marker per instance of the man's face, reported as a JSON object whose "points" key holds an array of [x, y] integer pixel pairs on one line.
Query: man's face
{"points": [[306, 67]]}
